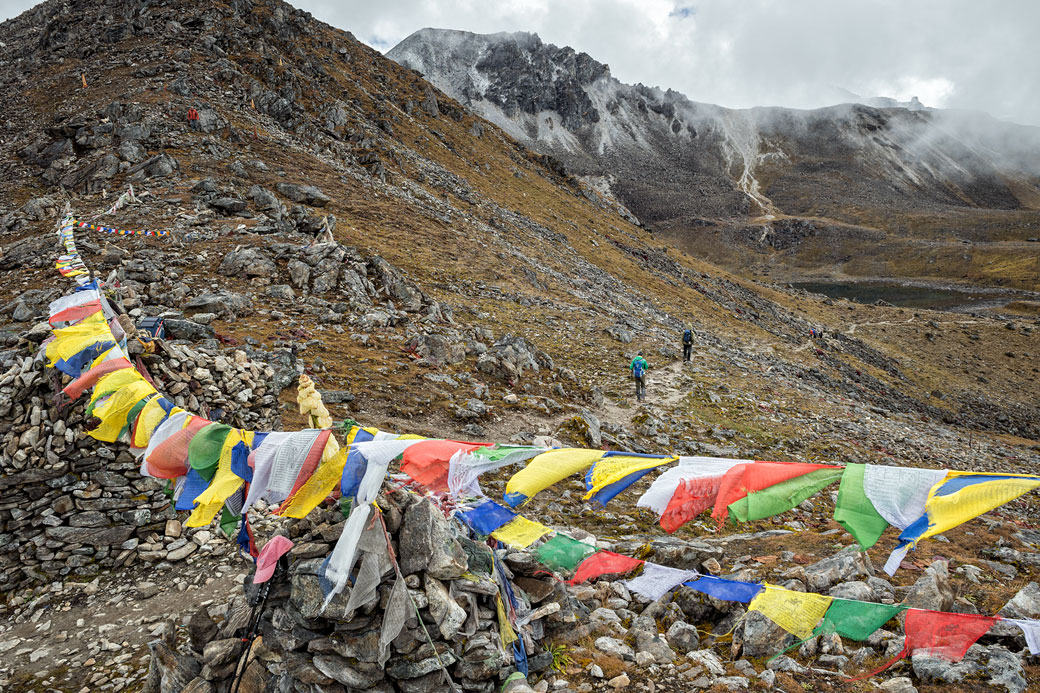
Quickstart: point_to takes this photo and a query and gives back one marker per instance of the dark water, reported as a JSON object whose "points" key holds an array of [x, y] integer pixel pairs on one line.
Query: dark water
{"points": [[907, 296]]}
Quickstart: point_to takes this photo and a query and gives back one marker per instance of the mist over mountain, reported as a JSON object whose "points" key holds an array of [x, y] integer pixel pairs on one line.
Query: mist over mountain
{"points": [[681, 166]]}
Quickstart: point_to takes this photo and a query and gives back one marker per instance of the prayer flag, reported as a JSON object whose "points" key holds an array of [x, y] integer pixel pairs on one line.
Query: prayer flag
{"points": [[604, 563], [616, 471], [726, 590], [562, 553], [855, 512], [545, 470], [487, 517], [782, 497], [520, 532], [796, 612], [746, 478]]}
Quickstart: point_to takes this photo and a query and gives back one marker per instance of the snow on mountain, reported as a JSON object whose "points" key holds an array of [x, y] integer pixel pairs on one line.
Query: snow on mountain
{"points": [[673, 157]]}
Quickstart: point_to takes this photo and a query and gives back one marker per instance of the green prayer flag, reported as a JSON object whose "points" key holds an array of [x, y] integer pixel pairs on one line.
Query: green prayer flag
{"points": [[228, 522], [851, 619], [563, 553], [856, 620], [204, 449], [781, 497], [494, 453], [854, 510], [345, 504], [132, 415]]}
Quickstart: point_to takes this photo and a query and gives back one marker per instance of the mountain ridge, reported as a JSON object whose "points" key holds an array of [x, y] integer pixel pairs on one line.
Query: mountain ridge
{"points": [[674, 160]]}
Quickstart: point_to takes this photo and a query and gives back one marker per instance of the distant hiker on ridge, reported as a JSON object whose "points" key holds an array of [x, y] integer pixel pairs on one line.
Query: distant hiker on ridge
{"points": [[687, 345], [639, 368]]}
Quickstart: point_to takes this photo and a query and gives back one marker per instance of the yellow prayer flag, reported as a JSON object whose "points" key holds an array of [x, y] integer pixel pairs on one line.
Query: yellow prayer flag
{"points": [[796, 612], [520, 532], [114, 410], [505, 630], [147, 421], [224, 483], [317, 488], [71, 340], [614, 468], [965, 495], [545, 470]]}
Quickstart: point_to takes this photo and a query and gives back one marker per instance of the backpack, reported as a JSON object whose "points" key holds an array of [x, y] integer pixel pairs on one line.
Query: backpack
{"points": [[687, 337], [638, 367]]}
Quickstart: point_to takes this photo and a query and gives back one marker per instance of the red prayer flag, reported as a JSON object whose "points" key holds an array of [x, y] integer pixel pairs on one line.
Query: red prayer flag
{"points": [[169, 459], [86, 381], [604, 563], [747, 478], [691, 498], [938, 634], [427, 462], [76, 313]]}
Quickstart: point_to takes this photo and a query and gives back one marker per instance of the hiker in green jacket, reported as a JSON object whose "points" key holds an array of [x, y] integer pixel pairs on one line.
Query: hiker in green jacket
{"points": [[639, 367]]}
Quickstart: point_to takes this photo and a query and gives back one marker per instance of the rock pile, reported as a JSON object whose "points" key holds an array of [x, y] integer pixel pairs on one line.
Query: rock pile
{"points": [[581, 638], [445, 608], [70, 506]]}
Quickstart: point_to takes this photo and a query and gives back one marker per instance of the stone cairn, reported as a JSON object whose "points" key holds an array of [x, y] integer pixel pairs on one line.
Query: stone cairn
{"points": [[451, 636], [452, 639], [73, 507]]}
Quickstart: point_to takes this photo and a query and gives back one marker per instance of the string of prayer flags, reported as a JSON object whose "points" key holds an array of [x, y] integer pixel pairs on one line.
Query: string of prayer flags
{"points": [[117, 232], [562, 553], [726, 590], [520, 532], [658, 580], [616, 471], [545, 470], [855, 512], [487, 517], [604, 563], [784, 496]]}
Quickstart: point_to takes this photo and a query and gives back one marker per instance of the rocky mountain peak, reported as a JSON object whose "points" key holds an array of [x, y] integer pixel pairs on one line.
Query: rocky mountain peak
{"points": [[683, 166]]}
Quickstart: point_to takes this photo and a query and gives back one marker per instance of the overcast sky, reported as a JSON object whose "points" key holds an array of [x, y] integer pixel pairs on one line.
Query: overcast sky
{"points": [[741, 53]]}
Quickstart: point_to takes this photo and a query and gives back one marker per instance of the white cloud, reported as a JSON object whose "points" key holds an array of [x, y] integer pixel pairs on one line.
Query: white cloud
{"points": [[798, 53]]}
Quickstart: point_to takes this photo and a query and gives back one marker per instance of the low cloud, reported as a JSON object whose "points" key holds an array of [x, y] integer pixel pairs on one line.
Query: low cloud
{"points": [[799, 53]]}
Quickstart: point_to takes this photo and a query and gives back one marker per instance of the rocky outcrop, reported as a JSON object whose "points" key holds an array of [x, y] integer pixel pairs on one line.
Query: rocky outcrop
{"points": [[72, 508]]}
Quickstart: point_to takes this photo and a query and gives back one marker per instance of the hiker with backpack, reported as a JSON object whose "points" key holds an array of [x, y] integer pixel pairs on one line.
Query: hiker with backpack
{"points": [[687, 345], [639, 368]]}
